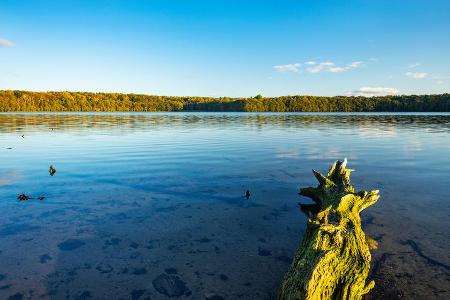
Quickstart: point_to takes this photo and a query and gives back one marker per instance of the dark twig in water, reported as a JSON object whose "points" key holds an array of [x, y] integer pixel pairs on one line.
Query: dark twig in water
{"points": [[23, 197], [52, 170]]}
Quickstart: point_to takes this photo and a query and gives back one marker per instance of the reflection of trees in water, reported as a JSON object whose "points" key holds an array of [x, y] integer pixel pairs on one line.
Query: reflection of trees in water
{"points": [[21, 122]]}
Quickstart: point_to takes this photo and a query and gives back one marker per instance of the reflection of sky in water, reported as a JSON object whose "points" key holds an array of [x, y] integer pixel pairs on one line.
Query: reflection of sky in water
{"points": [[135, 195]]}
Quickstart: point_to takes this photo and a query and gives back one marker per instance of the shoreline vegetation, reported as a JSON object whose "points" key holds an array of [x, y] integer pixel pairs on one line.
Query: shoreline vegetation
{"points": [[26, 101]]}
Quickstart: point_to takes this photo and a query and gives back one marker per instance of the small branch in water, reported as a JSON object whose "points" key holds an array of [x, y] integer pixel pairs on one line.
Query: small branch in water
{"points": [[23, 197], [52, 170]]}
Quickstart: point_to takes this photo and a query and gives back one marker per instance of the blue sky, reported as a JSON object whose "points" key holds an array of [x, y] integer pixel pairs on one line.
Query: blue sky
{"points": [[226, 48]]}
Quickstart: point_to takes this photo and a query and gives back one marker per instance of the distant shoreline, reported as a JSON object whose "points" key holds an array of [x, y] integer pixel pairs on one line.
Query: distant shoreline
{"points": [[26, 101]]}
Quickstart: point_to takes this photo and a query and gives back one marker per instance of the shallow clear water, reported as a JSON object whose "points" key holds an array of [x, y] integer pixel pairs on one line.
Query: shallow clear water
{"points": [[139, 199]]}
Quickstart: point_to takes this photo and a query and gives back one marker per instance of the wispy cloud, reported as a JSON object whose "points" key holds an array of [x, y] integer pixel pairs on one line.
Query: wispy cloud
{"points": [[416, 75], [318, 67], [412, 66], [374, 91], [5, 43], [287, 68], [355, 64], [331, 67]]}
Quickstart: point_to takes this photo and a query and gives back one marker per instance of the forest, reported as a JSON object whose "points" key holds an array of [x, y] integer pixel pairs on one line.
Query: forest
{"points": [[25, 101]]}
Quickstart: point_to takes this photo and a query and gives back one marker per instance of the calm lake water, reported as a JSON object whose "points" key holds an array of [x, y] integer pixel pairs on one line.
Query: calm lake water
{"points": [[147, 206]]}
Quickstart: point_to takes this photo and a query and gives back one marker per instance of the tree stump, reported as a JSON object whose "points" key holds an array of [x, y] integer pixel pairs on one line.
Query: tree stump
{"points": [[333, 261]]}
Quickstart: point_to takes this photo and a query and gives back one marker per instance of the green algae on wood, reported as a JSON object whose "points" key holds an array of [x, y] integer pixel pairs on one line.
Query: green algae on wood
{"points": [[333, 261]]}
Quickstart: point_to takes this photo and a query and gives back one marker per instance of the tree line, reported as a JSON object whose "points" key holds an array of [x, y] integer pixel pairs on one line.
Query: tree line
{"points": [[25, 101]]}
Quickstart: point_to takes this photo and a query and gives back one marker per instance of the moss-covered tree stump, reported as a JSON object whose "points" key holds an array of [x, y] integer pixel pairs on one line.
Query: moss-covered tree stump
{"points": [[333, 260]]}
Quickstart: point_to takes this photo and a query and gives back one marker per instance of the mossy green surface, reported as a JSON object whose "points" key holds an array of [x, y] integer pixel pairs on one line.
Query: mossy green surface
{"points": [[333, 261]]}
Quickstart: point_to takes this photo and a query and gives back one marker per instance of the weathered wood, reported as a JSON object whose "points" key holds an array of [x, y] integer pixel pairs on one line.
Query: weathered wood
{"points": [[333, 260]]}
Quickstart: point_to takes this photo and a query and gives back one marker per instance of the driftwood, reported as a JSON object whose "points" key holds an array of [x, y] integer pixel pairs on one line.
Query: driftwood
{"points": [[333, 260]]}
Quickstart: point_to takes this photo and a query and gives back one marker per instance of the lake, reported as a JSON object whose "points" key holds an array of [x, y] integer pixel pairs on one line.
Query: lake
{"points": [[152, 205]]}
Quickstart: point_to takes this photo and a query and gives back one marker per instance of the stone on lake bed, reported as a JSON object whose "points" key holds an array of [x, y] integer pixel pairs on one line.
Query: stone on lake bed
{"points": [[140, 271], [213, 296], [70, 245], [44, 258], [170, 285], [223, 277]]}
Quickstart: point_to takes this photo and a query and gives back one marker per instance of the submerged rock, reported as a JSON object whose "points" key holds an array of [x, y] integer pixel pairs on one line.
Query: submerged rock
{"points": [[333, 260], [70, 245], [140, 271], [223, 277], [44, 258], [213, 296], [170, 285]]}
